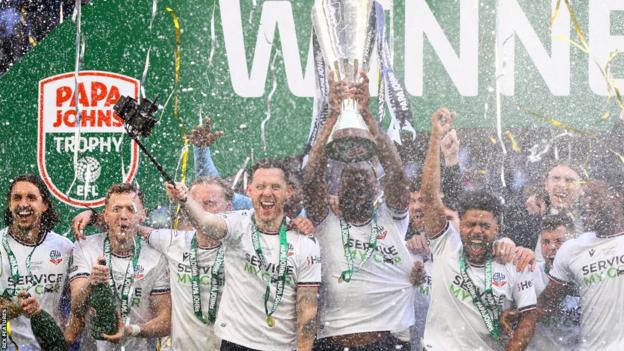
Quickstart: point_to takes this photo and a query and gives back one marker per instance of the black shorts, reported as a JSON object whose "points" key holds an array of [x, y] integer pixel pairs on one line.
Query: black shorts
{"points": [[386, 343], [230, 346]]}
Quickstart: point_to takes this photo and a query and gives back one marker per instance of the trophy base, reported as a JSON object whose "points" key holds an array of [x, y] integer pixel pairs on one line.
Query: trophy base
{"points": [[351, 145]]}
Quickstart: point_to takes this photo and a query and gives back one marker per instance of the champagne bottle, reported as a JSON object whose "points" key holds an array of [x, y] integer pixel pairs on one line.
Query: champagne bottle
{"points": [[103, 302], [48, 334]]}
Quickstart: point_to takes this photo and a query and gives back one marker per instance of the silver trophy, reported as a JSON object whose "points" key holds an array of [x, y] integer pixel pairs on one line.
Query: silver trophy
{"points": [[345, 30]]}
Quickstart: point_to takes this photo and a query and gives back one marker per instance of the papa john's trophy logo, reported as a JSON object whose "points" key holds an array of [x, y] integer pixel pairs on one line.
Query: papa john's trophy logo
{"points": [[105, 155]]}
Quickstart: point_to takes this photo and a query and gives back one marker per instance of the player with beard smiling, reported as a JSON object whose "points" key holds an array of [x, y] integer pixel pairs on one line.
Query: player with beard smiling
{"points": [[366, 293], [469, 289], [272, 273], [594, 263], [31, 252]]}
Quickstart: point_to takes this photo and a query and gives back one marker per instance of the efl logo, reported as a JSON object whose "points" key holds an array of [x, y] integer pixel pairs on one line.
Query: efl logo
{"points": [[105, 154]]}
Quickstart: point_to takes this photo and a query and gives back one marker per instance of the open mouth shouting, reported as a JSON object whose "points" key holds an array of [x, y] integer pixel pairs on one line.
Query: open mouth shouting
{"points": [[560, 197], [476, 247], [267, 206]]}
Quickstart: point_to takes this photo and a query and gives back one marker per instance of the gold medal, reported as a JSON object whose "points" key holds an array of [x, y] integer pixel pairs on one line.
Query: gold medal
{"points": [[270, 321]]}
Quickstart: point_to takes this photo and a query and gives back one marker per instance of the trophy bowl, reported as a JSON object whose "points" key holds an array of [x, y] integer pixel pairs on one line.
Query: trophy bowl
{"points": [[345, 30]]}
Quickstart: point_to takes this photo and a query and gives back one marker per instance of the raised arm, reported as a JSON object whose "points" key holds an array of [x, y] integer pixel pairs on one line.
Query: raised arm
{"points": [[306, 317], [396, 189], [435, 220], [202, 138], [451, 173], [315, 188], [206, 223]]}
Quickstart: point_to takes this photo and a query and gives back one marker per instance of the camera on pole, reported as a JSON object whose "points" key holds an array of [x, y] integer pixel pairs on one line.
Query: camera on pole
{"points": [[139, 121]]}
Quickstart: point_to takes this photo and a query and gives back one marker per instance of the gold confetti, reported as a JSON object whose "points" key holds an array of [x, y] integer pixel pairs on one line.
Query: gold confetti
{"points": [[555, 14], [514, 145]]}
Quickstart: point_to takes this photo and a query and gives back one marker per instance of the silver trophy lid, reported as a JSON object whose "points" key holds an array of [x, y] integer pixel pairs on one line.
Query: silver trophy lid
{"points": [[345, 30]]}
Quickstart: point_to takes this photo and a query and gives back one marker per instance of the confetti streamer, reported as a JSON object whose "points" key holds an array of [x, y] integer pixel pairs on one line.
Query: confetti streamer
{"points": [[213, 36], [176, 108], [535, 154], [183, 163], [499, 68], [240, 173], [178, 64], [499, 63], [154, 9], [144, 75], [555, 14], [577, 26], [185, 155], [253, 7], [77, 16], [553, 122], [176, 25], [268, 113]]}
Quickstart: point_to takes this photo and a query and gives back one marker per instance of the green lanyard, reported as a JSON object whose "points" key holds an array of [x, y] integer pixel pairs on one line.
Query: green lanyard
{"points": [[215, 271], [282, 268], [128, 277], [490, 309], [372, 245], [13, 262]]}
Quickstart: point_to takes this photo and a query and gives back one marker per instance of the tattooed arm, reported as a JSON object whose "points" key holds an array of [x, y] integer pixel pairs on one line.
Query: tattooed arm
{"points": [[306, 317]]}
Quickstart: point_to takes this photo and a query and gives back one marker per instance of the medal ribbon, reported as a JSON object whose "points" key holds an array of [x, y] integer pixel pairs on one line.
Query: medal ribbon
{"points": [[372, 245], [13, 262], [282, 268], [128, 277], [215, 271], [486, 309]]}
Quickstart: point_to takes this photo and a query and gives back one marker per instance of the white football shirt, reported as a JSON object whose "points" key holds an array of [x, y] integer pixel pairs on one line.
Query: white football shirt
{"points": [[596, 266], [379, 297], [49, 266], [561, 331], [453, 321], [187, 331], [150, 278], [241, 318]]}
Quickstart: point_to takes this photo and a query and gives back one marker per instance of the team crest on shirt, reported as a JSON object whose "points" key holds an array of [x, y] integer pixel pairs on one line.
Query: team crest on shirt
{"points": [[56, 257], [498, 279], [139, 272], [382, 233], [291, 249], [185, 256]]}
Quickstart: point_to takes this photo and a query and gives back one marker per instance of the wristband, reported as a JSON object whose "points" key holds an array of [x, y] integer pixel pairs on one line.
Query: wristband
{"points": [[135, 330]]}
